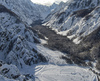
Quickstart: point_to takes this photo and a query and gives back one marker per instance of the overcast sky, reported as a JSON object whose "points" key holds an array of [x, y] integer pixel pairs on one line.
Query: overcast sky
{"points": [[47, 2]]}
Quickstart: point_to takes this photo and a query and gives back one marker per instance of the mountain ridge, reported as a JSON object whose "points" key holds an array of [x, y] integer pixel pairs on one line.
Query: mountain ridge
{"points": [[70, 21], [30, 13]]}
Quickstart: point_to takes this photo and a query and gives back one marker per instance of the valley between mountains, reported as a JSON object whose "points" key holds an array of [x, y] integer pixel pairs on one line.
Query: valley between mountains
{"points": [[60, 42], [66, 58]]}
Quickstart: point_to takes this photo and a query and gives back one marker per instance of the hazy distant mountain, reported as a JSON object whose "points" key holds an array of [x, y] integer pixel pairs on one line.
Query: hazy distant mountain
{"points": [[27, 11]]}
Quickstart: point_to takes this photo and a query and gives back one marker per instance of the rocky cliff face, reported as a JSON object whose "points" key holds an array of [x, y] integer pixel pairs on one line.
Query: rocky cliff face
{"points": [[79, 20], [17, 41], [76, 19], [17, 45]]}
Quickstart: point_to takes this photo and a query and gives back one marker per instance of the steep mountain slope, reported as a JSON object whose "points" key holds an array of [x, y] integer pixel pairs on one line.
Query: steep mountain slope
{"points": [[28, 12], [17, 45], [75, 19], [79, 20]]}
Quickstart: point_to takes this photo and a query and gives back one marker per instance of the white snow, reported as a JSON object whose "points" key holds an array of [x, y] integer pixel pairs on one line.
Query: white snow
{"points": [[57, 70], [52, 72], [70, 37], [71, 25], [30, 13], [52, 56], [2, 78], [12, 70], [43, 41], [63, 73], [76, 41]]}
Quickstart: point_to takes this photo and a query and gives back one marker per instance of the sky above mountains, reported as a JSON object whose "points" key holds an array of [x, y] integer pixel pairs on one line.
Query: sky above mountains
{"points": [[47, 2]]}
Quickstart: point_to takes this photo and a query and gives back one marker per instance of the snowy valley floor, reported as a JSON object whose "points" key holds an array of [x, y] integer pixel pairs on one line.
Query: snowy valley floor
{"points": [[63, 73], [57, 69]]}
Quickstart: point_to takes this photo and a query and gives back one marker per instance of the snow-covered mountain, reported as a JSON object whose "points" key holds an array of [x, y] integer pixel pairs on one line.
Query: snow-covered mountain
{"points": [[28, 12], [17, 41], [76, 19], [21, 50], [79, 20], [17, 45]]}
